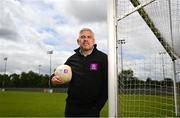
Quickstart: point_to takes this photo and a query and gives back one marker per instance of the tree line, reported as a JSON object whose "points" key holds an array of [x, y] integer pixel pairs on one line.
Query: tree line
{"points": [[126, 79], [25, 80]]}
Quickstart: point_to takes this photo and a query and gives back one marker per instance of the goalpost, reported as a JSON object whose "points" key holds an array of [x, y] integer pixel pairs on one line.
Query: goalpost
{"points": [[112, 67], [145, 80]]}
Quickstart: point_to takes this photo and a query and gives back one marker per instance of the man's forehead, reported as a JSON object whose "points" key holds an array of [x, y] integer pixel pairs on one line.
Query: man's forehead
{"points": [[86, 33]]}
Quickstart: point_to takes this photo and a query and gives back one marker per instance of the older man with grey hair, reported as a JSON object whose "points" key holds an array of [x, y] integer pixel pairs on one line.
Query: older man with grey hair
{"points": [[87, 91]]}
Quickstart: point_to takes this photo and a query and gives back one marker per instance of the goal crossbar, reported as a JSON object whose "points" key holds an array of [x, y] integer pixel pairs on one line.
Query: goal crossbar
{"points": [[134, 10], [139, 7]]}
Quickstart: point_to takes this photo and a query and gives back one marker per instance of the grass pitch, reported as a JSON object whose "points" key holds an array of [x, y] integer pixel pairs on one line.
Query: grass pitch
{"points": [[34, 104], [146, 106], [38, 104]]}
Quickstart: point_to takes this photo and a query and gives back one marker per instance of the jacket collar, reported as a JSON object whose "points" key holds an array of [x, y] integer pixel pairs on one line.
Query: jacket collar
{"points": [[78, 49]]}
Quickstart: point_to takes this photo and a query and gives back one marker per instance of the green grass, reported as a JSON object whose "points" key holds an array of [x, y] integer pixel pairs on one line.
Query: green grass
{"points": [[146, 106], [38, 104], [34, 104]]}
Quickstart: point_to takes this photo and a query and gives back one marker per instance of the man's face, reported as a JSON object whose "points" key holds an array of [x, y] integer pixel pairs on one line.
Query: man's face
{"points": [[86, 40]]}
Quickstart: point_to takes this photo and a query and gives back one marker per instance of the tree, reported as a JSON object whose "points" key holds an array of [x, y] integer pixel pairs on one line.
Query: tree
{"points": [[125, 79]]}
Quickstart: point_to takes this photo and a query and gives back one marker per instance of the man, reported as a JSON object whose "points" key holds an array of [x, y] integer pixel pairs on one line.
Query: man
{"points": [[87, 91]]}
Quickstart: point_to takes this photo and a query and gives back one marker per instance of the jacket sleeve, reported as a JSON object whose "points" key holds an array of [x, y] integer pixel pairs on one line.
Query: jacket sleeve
{"points": [[104, 91]]}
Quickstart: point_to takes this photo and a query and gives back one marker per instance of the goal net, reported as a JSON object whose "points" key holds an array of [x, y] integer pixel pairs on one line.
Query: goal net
{"points": [[148, 67]]}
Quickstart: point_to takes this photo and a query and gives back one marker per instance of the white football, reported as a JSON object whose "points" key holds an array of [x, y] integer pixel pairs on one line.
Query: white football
{"points": [[64, 72]]}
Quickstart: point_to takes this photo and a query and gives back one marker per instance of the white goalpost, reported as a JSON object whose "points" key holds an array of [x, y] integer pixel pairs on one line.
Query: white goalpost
{"points": [[112, 66], [144, 79]]}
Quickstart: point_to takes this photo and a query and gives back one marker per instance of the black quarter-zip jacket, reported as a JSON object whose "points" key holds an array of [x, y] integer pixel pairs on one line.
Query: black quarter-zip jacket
{"points": [[88, 87]]}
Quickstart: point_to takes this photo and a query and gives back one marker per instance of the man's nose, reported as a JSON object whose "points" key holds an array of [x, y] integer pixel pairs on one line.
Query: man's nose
{"points": [[86, 39]]}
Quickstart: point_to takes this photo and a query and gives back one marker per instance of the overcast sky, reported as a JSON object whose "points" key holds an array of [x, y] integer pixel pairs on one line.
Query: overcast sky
{"points": [[29, 28]]}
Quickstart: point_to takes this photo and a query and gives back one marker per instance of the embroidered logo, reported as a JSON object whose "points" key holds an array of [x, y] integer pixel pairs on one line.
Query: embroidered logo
{"points": [[65, 71], [94, 66]]}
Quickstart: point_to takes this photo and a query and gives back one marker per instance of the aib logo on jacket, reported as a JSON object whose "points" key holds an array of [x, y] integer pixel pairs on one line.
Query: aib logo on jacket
{"points": [[94, 67]]}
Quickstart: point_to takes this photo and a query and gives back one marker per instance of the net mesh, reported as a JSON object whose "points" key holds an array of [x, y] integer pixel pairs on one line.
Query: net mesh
{"points": [[146, 73]]}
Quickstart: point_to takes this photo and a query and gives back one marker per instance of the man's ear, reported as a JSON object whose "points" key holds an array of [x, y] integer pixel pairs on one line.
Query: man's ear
{"points": [[94, 41], [77, 41]]}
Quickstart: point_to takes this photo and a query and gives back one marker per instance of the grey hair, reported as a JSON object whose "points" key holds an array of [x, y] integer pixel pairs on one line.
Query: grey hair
{"points": [[86, 29]]}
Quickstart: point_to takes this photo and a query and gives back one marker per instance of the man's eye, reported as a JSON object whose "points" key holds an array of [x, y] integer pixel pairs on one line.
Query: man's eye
{"points": [[83, 37]]}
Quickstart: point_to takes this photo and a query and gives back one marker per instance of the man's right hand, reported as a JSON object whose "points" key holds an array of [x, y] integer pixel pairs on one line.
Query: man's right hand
{"points": [[56, 81]]}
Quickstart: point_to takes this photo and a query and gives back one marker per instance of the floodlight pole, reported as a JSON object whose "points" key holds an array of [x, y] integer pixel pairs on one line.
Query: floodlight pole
{"points": [[5, 64], [5, 67], [39, 67], [162, 57], [121, 42], [50, 52]]}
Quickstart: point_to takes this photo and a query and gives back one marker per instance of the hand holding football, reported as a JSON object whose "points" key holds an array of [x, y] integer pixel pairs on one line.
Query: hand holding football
{"points": [[64, 72]]}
